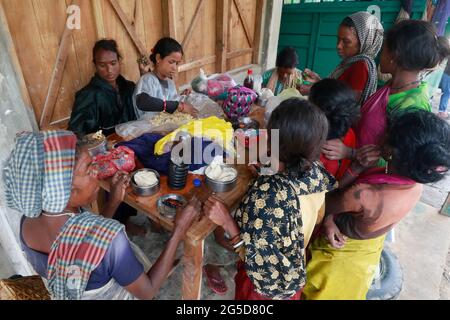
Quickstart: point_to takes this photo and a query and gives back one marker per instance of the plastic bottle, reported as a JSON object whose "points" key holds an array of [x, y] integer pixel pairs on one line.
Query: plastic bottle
{"points": [[249, 81]]}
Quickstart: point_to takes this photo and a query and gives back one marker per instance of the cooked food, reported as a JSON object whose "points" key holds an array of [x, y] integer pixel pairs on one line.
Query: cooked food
{"points": [[164, 118], [145, 178], [219, 172]]}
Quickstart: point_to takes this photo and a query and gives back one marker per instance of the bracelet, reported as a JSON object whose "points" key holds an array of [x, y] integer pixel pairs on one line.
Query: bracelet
{"points": [[350, 172], [237, 245], [165, 105]]}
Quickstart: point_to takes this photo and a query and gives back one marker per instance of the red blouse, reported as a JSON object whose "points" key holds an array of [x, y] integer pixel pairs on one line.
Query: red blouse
{"points": [[356, 76]]}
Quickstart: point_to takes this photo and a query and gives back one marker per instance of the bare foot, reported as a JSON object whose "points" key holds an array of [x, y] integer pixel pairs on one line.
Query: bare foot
{"points": [[133, 229], [443, 115]]}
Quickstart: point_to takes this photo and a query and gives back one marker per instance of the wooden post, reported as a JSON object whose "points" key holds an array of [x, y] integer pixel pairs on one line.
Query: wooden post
{"points": [[222, 35], [168, 18], [258, 28], [194, 20], [192, 273], [17, 68], [98, 17]]}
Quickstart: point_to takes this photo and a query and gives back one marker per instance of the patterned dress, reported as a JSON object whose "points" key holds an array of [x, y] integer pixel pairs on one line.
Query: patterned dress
{"points": [[273, 218]]}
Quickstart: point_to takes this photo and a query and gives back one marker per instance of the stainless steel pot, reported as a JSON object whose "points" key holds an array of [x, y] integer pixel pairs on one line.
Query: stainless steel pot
{"points": [[145, 191]]}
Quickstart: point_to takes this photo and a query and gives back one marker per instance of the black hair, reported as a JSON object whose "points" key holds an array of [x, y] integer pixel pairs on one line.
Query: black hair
{"points": [[420, 144], [303, 129], [415, 45], [106, 44], [347, 22], [164, 47], [287, 58], [337, 100]]}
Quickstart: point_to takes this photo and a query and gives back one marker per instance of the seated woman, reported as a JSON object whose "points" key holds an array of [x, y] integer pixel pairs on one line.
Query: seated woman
{"points": [[156, 91], [285, 75], [337, 101], [276, 218], [360, 37], [78, 254], [358, 217], [107, 100]]}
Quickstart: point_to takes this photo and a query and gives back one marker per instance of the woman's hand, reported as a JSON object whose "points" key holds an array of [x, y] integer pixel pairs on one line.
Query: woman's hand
{"points": [[119, 184], [185, 217], [217, 212], [310, 76], [335, 149], [369, 155], [188, 108], [304, 89], [186, 92], [332, 233]]}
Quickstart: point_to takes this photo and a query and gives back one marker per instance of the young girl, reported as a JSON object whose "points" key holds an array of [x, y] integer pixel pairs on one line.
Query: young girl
{"points": [[156, 91], [276, 218], [337, 101]]}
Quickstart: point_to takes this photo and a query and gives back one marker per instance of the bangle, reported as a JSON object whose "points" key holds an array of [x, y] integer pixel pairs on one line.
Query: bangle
{"points": [[350, 172], [165, 105], [235, 239], [237, 245]]}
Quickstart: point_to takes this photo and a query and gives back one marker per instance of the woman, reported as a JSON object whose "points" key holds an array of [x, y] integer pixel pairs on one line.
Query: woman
{"points": [[285, 75], [411, 47], [107, 100], [276, 218], [360, 37], [78, 254], [337, 101], [156, 91], [358, 218]]}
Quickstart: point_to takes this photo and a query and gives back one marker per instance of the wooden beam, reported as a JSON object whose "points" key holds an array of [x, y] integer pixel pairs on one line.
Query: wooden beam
{"points": [[238, 53], [98, 17], [258, 29], [244, 22], [57, 76], [168, 18], [222, 34], [194, 20], [16, 65], [192, 273], [196, 63], [129, 27]]}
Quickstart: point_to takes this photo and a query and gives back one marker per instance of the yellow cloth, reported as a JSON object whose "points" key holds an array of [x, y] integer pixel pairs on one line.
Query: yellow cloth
{"points": [[342, 274], [212, 128], [313, 205]]}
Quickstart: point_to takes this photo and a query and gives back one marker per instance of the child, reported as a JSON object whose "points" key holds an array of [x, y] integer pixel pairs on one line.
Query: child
{"points": [[156, 91], [337, 100]]}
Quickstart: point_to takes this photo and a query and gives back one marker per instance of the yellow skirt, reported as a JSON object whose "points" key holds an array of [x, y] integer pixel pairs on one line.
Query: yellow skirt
{"points": [[342, 274]]}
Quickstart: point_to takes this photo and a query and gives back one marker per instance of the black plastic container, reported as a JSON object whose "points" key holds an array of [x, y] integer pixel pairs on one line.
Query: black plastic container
{"points": [[177, 175]]}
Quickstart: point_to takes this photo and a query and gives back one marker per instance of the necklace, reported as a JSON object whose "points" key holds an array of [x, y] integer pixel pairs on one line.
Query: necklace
{"points": [[405, 85], [70, 214]]}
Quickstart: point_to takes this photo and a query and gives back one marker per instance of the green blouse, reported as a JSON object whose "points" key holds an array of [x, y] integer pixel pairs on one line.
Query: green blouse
{"points": [[416, 98]]}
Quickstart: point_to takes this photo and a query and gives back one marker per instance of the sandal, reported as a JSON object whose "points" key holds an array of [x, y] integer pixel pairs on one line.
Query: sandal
{"points": [[216, 285]]}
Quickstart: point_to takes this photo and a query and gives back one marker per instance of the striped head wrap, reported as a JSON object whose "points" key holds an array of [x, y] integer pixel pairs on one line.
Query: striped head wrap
{"points": [[38, 173]]}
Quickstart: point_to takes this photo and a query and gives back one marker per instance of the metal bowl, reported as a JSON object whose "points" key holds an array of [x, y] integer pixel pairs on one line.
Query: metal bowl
{"points": [[221, 186], [170, 211], [145, 191]]}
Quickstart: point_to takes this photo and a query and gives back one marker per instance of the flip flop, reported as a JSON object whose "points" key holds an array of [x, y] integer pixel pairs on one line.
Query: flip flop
{"points": [[216, 285]]}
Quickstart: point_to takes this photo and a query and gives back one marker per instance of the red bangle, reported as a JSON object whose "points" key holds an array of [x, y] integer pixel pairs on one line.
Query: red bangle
{"points": [[350, 172], [165, 105]]}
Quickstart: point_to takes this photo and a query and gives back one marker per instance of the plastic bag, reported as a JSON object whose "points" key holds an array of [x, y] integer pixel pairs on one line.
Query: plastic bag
{"points": [[274, 102], [205, 106], [200, 83], [219, 85], [119, 159]]}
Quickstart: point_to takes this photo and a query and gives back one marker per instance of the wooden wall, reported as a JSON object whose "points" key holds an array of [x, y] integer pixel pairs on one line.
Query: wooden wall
{"points": [[218, 35]]}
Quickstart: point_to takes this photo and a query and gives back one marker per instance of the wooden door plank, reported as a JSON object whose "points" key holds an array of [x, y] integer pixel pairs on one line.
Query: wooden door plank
{"points": [[98, 18], [194, 20], [258, 29], [244, 22], [222, 35], [168, 18]]}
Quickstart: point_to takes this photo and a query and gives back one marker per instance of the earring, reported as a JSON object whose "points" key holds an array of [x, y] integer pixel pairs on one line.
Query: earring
{"points": [[387, 164]]}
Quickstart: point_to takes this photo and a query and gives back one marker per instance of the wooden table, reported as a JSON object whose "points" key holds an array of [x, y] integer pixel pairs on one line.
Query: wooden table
{"points": [[196, 235]]}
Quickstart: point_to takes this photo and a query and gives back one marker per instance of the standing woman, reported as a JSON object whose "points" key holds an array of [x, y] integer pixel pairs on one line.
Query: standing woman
{"points": [[107, 100], [156, 90], [360, 37]]}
